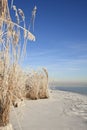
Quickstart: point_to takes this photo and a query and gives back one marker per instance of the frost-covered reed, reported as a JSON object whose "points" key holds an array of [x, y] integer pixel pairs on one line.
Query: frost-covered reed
{"points": [[37, 84], [13, 41]]}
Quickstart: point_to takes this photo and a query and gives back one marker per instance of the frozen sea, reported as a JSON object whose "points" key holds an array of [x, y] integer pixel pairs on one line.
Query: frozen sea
{"points": [[80, 90]]}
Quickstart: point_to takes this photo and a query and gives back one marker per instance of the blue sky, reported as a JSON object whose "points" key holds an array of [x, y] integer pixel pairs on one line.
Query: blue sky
{"points": [[61, 38]]}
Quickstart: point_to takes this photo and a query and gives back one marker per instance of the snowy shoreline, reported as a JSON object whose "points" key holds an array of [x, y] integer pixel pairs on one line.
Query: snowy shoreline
{"points": [[61, 111]]}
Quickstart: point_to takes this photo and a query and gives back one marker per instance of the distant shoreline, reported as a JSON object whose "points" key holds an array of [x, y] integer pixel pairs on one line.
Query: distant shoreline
{"points": [[79, 90]]}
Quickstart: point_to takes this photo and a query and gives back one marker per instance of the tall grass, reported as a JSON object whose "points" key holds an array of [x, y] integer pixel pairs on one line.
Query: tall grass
{"points": [[37, 84], [13, 41], [14, 83]]}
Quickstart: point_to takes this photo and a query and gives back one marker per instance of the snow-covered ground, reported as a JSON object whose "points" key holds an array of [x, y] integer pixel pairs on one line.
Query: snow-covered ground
{"points": [[62, 111]]}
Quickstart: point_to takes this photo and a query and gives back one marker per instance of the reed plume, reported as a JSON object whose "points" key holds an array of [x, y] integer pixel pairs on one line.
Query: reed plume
{"points": [[12, 43]]}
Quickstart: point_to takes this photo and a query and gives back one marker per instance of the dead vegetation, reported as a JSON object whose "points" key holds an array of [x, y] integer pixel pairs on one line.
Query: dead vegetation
{"points": [[37, 85], [13, 41], [15, 84]]}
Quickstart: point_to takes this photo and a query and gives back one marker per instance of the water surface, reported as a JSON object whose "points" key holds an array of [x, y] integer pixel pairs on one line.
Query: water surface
{"points": [[80, 90]]}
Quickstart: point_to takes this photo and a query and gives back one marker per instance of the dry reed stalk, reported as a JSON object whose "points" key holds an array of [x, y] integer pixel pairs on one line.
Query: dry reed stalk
{"points": [[12, 78], [37, 85], [17, 78], [4, 110], [32, 86], [43, 86]]}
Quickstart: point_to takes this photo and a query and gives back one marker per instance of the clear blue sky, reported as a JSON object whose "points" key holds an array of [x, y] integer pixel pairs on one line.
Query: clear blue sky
{"points": [[61, 38]]}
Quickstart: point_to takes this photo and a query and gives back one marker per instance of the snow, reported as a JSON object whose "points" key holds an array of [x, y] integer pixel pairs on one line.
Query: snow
{"points": [[62, 111]]}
